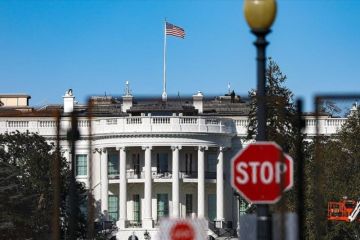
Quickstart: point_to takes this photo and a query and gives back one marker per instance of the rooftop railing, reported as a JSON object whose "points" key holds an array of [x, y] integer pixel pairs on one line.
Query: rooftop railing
{"points": [[143, 124], [155, 124]]}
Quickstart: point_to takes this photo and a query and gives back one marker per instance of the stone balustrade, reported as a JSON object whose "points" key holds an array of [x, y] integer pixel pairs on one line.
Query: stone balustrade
{"points": [[104, 126], [155, 124], [327, 126]]}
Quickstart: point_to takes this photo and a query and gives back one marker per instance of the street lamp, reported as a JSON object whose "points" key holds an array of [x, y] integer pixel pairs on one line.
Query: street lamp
{"points": [[260, 15]]}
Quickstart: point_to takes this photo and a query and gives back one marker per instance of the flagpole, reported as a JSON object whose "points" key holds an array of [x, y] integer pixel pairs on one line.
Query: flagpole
{"points": [[164, 95]]}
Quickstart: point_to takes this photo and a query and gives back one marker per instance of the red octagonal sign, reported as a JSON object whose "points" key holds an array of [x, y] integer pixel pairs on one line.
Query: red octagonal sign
{"points": [[261, 172], [182, 231]]}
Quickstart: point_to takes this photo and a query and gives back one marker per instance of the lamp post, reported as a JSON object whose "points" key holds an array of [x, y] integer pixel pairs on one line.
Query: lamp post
{"points": [[260, 14]]}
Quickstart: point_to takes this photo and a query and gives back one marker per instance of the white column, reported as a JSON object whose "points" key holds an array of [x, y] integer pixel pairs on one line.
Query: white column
{"points": [[220, 186], [104, 183], [175, 182], [122, 188], [201, 182], [147, 219]]}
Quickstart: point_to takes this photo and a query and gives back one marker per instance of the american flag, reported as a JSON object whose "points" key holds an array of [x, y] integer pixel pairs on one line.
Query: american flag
{"points": [[175, 31]]}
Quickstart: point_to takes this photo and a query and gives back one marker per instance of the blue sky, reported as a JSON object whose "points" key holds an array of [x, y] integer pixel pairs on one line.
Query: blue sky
{"points": [[93, 47]]}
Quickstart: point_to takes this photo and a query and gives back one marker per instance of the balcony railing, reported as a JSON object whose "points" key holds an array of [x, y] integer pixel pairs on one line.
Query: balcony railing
{"points": [[210, 175], [115, 125], [222, 228], [113, 176], [188, 174], [133, 224], [193, 174], [161, 174], [130, 174], [47, 126]]}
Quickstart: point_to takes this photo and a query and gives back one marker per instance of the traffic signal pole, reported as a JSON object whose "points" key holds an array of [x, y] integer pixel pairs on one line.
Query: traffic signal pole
{"points": [[264, 228]]}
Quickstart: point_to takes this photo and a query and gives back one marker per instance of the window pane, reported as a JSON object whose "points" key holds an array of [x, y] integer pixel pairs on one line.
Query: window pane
{"points": [[211, 162], [162, 205], [83, 205], [188, 205], [137, 208], [113, 207], [81, 165], [136, 163], [188, 163], [113, 164], [211, 207], [162, 162]]}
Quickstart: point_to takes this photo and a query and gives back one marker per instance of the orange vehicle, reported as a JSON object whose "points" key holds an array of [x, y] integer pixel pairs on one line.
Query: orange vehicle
{"points": [[344, 210]]}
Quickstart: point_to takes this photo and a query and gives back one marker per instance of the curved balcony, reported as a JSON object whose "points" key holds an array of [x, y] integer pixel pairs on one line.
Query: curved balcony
{"points": [[172, 124], [113, 125]]}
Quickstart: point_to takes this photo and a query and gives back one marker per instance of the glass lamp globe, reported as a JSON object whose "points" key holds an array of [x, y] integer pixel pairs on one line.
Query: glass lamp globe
{"points": [[260, 14]]}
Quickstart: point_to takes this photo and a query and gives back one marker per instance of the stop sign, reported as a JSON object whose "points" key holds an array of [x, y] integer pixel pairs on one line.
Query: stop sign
{"points": [[261, 172], [182, 231]]}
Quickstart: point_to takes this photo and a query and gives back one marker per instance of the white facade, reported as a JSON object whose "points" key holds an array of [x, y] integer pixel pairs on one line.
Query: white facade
{"points": [[141, 168]]}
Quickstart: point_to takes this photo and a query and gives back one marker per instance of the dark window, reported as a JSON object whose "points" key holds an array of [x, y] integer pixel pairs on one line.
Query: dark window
{"points": [[113, 164], [162, 162], [188, 204], [136, 162], [188, 163], [137, 208], [162, 205], [211, 207], [211, 162]]}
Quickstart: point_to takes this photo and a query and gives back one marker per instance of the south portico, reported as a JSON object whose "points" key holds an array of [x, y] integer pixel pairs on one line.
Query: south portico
{"points": [[145, 181]]}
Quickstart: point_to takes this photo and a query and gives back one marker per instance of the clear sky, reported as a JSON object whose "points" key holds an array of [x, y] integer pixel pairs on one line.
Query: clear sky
{"points": [[93, 47]]}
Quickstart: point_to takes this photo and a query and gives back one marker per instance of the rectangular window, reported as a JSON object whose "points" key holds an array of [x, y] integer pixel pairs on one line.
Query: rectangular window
{"points": [[211, 162], [188, 163], [81, 165], [83, 205], [188, 204], [137, 208], [162, 163], [211, 207], [162, 205], [113, 164], [136, 163], [113, 207]]}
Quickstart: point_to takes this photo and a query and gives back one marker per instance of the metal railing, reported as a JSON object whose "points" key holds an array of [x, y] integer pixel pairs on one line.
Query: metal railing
{"points": [[133, 224]]}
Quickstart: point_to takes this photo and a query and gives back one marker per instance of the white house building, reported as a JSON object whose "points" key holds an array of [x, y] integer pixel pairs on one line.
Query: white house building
{"points": [[150, 159]]}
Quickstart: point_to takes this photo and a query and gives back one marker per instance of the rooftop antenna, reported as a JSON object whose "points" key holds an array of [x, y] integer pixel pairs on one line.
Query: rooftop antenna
{"points": [[179, 97], [127, 89]]}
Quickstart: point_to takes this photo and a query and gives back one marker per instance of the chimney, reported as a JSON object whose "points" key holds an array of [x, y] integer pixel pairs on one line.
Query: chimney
{"points": [[198, 102], [69, 101], [353, 109], [127, 99]]}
